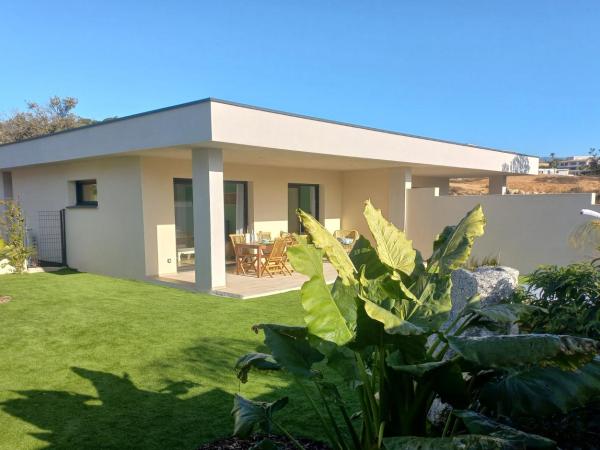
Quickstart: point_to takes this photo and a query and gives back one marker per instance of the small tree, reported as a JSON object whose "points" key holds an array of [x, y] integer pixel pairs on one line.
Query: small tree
{"points": [[38, 120], [12, 227], [594, 162]]}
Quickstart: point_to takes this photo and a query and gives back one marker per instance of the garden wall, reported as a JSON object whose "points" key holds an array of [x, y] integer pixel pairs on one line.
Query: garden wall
{"points": [[524, 231]]}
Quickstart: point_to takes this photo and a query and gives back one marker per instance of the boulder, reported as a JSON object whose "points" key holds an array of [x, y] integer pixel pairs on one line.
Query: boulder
{"points": [[493, 284], [6, 268]]}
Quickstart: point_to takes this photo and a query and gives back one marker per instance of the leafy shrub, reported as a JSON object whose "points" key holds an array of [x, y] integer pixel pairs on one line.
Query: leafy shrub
{"points": [[12, 225], [571, 296], [383, 327]]}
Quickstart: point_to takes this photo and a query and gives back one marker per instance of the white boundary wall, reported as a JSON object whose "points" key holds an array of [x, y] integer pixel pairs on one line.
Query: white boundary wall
{"points": [[524, 231]]}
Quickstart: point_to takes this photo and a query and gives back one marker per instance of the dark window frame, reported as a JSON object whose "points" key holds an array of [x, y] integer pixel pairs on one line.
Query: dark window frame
{"points": [[79, 201], [317, 199], [246, 206], [245, 183]]}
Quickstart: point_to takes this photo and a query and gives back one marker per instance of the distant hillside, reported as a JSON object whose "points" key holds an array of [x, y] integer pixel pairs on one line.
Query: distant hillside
{"points": [[529, 184]]}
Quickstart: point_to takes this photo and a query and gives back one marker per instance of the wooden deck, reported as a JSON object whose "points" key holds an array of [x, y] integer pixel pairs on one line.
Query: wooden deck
{"points": [[243, 287]]}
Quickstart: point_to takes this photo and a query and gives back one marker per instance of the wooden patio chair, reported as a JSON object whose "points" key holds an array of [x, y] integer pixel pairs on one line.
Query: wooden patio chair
{"points": [[275, 262], [347, 238], [244, 260], [289, 237]]}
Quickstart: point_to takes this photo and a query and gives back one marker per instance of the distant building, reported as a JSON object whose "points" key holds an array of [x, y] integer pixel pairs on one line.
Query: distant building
{"points": [[553, 171], [576, 165]]}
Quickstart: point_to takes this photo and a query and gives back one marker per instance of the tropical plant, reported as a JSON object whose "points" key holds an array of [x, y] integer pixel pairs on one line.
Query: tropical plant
{"points": [[587, 236], [571, 297], [384, 328], [12, 225]]}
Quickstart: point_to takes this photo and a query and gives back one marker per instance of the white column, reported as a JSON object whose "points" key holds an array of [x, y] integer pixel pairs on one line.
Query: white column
{"points": [[399, 182], [497, 185], [209, 219]]}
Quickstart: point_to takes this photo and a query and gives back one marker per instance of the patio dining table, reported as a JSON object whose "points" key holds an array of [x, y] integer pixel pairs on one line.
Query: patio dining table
{"points": [[261, 249]]}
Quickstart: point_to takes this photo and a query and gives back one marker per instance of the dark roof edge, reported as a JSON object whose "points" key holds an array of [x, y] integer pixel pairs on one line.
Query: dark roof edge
{"points": [[269, 110], [107, 121]]}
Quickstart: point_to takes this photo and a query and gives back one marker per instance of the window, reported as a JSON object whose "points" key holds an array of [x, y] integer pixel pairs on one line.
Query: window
{"points": [[8, 185], [305, 197], [235, 212], [86, 193], [236, 207]]}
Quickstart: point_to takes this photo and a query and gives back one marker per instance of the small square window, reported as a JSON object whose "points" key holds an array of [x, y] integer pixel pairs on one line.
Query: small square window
{"points": [[86, 193]]}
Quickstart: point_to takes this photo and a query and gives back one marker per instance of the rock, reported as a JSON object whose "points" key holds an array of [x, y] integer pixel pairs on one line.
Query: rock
{"points": [[6, 268], [438, 413], [493, 284]]}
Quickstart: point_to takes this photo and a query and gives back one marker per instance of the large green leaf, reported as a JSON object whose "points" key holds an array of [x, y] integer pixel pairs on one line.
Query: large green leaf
{"points": [[480, 424], [544, 350], [249, 414], [334, 250], [452, 247], [504, 312], [393, 247], [370, 332], [341, 359], [331, 317], [291, 348], [392, 324], [365, 259], [468, 442], [416, 370], [434, 301], [260, 361], [444, 377], [543, 391]]}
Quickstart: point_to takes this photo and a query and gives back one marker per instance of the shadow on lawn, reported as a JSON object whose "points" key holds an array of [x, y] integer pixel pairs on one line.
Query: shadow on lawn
{"points": [[122, 415]]}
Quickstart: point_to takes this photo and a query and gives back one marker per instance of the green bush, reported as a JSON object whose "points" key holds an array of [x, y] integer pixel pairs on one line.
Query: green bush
{"points": [[571, 297], [12, 225], [383, 327]]}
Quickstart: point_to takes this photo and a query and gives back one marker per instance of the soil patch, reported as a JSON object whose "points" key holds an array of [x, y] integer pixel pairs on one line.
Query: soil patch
{"points": [[281, 443], [530, 184], [5, 299]]}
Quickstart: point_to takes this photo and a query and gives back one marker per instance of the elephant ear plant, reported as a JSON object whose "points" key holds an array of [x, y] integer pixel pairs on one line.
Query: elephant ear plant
{"points": [[384, 328]]}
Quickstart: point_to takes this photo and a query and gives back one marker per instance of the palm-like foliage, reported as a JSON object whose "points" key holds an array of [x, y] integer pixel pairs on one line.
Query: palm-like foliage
{"points": [[383, 327]]}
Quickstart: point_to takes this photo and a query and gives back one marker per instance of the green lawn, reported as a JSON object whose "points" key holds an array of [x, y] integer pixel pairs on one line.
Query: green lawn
{"points": [[89, 362]]}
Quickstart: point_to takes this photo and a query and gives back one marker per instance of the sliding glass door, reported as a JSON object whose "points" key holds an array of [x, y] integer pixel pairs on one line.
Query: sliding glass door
{"points": [[305, 197], [235, 210], [184, 222]]}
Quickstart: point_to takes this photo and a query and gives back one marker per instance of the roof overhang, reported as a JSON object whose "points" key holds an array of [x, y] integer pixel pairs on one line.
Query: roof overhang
{"points": [[247, 133]]}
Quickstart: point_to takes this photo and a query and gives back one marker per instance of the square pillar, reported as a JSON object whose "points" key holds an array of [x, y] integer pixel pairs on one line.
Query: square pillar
{"points": [[400, 180], [497, 185], [209, 218]]}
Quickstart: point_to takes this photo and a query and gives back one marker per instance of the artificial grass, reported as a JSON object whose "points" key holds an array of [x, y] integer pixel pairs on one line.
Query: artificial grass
{"points": [[89, 362]]}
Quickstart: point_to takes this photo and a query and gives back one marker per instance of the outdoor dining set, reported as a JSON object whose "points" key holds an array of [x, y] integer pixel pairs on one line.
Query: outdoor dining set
{"points": [[261, 255]]}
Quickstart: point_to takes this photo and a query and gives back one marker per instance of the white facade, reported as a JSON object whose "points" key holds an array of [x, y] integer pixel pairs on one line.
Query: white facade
{"points": [[575, 165]]}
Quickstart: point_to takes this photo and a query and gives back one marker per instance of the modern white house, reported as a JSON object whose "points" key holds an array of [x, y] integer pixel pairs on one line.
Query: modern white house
{"points": [[143, 194], [575, 165]]}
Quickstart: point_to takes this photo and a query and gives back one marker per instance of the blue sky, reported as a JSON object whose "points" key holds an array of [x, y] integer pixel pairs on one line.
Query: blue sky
{"points": [[520, 75]]}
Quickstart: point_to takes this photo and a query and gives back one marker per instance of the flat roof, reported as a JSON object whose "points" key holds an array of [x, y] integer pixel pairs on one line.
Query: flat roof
{"points": [[258, 108], [243, 129]]}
